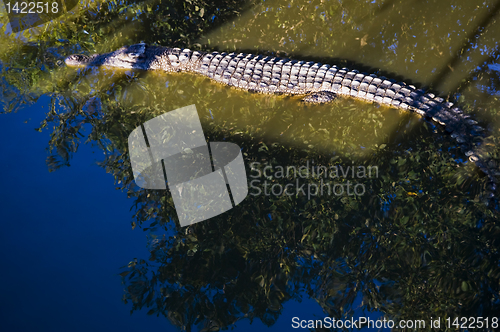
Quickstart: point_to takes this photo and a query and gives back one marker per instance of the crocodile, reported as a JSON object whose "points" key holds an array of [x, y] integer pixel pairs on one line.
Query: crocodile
{"points": [[319, 83]]}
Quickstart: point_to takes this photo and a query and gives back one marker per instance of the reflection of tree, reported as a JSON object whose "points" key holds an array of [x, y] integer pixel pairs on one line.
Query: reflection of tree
{"points": [[413, 242], [248, 262], [418, 242], [471, 42]]}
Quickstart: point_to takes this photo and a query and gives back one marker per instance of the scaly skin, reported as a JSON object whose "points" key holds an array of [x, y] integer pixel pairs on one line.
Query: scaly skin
{"points": [[319, 83]]}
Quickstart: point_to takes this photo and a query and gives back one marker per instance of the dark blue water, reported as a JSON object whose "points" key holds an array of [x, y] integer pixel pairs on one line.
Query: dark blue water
{"points": [[65, 236]]}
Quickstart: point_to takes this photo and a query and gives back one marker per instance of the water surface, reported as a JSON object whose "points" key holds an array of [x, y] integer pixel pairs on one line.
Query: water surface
{"points": [[419, 242]]}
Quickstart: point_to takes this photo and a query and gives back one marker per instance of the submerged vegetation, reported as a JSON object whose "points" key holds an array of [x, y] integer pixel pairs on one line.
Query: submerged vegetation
{"points": [[419, 242]]}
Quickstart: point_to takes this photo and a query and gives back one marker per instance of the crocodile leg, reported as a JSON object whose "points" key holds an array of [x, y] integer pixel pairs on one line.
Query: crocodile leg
{"points": [[320, 97]]}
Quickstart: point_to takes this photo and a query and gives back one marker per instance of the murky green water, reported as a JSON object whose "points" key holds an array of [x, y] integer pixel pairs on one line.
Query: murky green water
{"points": [[418, 242]]}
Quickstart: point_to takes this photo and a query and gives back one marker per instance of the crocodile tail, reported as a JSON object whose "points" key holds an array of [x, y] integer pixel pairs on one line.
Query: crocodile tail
{"points": [[472, 142], [468, 134], [489, 167], [462, 128]]}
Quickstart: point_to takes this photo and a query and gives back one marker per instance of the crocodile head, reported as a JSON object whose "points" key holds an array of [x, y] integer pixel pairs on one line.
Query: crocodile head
{"points": [[127, 57]]}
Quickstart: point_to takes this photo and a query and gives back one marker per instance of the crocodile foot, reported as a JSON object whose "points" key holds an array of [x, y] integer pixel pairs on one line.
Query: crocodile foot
{"points": [[319, 97]]}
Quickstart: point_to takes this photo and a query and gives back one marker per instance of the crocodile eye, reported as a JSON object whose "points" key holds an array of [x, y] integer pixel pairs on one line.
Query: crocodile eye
{"points": [[136, 55], [77, 59]]}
